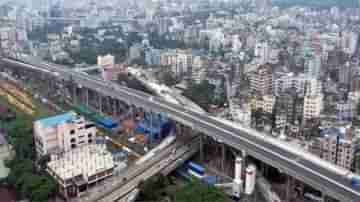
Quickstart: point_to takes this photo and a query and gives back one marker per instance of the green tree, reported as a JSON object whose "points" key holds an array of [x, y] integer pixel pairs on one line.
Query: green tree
{"points": [[168, 78], [197, 191], [202, 93], [23, 177], [151, 189]]}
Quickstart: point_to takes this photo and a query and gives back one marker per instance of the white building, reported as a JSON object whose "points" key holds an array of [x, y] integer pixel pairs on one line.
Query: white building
{"points": [[80, 168], [62, 133], [312, 107], [290, 80], [262, 52], [242, 115], [348, 42], [106, 60], [261, 80], [180, 61], [236, 44], [266, 103]]}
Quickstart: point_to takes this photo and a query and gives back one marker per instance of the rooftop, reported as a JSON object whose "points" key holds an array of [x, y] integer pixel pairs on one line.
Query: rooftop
{"points": [[55, 120], [71, 164]]}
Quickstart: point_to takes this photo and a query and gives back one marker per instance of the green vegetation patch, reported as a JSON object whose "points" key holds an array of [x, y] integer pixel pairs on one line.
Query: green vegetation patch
{"points": [[161, 188], [25, 177]]}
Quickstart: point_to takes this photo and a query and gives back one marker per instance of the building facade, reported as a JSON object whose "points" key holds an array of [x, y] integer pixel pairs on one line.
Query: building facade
{"points": [[77, 170], [62, 133], [312, 107], [261, 80]]}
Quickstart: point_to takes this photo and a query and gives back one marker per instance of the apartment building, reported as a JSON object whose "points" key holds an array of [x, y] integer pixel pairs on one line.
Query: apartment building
{"points": [[266, 103], [62, 133], [312, 107], [299, 83], [290, 105], [336, 145], [180, 61], [261, 80]]}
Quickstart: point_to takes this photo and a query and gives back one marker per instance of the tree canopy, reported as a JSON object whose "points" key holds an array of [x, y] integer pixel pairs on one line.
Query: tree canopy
{"points": [[203, 94], [160, 188], [28, 182], [197, 191]]}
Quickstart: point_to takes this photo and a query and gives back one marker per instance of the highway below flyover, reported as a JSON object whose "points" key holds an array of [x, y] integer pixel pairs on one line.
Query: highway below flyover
{"points": [[304, 166]]}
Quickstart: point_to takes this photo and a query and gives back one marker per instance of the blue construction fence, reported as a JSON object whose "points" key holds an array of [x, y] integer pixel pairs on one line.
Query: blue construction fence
{"points": [[154, 126]]}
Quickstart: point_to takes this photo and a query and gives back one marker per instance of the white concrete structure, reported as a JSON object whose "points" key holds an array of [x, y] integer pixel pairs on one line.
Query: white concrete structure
{"points": [[261, 80], [238, 182], [106, 60], [180, 61], [266, 190], [266, 103], [349, 42], [62, 133], [312, 107], [298, 82], [262, 52], [250, 179], [75, 170]]}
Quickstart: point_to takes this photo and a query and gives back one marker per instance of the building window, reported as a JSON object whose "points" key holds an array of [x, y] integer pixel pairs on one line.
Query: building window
{"points": [[89, 135], [73, 146], [72, 140], [90, 141], [72, 132]]}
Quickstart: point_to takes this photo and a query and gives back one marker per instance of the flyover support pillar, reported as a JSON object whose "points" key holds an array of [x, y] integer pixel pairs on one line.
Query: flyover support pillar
{"points": [[324, 197], [201, 148], [74, 94], [264, 169], [223, 157], [100, 103], [244, 161], [288, 188], [87, 97], [114, 107]]}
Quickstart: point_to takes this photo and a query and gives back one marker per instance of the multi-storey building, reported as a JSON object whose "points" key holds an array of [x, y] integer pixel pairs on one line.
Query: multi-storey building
{"points": [[266, 103], [290, 104], [345, 73], [62, 133], [313, 66], [312, 107], [7, 39], [290, 80], [348, 41], [345, 109], [336, 145], [262, 52], [153, 56], [261, 80], [355, 83], [180, 61], [80, 168]]}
